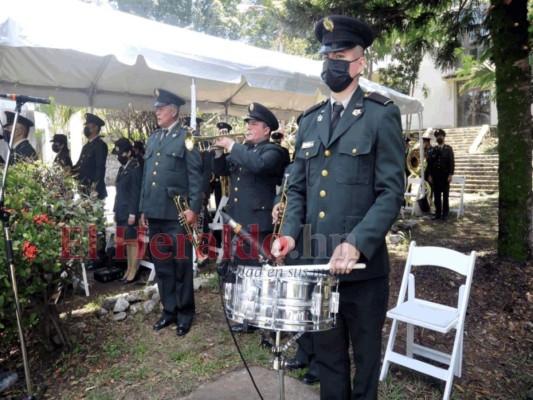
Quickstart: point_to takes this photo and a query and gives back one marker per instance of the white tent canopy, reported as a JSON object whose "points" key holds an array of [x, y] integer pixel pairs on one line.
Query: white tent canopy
{"points": [[47, 49]]}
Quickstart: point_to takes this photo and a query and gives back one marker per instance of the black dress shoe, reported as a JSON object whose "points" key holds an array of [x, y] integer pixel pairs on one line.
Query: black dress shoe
{"points": [[435, 217], [444, 217], [183, 329], [293, 363], [163, 323], [309, 379], [128, 281], [240, 329]]}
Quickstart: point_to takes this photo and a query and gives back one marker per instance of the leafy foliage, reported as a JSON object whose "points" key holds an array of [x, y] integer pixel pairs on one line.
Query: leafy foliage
{"points": [[44, 205]]}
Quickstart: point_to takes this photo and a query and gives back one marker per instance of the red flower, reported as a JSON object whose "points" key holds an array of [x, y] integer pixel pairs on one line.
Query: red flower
{"points": [[30, 251], [41, 219]]}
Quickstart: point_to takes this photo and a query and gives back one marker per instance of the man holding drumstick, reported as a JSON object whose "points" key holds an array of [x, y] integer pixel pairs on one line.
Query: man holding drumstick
{"points": [[346, 189]]}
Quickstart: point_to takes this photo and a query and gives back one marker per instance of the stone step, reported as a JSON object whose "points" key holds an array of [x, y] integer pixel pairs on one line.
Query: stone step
{"points": [[480, 170], [473, 169]]}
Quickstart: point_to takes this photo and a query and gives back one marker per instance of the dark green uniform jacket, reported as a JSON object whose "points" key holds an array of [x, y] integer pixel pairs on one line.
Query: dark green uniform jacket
{"points": [[63, 158], [23, 151], [255, 171], [170, 170], [90, 167], [128, 185], [348, 187]]}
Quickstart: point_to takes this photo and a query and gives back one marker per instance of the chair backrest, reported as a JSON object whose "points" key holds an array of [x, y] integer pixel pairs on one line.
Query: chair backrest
{"points": [[438, 257]]}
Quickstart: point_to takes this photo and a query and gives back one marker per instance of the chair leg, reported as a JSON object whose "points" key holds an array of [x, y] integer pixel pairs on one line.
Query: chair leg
{"points": [[409, 340], [459, 354], [448, 387], [388, 351]]}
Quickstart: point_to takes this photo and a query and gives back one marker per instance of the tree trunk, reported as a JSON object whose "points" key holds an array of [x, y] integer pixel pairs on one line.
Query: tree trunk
{"points": [[509, 31]]}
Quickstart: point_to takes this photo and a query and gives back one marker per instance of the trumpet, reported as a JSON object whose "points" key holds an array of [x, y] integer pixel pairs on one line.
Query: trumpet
{"points": [[191, 140], [283, 206], [182, 206]]}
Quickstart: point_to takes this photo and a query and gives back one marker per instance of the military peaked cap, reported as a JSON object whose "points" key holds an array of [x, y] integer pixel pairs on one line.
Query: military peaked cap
{"points": [[94, 119], [260, 113], [59, 138], [438, 132], [339, 32], [122, 145], [224, 125], [164, 98], [10, 117], [187, 121]]}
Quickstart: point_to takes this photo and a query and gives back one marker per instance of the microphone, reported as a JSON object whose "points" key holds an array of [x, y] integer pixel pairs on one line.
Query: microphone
{"points": [[24, 99], [239, 230]]}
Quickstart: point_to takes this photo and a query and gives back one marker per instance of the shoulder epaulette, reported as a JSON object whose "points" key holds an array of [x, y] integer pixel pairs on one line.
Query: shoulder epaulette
{"points": [[378, 98], [313, 108]]}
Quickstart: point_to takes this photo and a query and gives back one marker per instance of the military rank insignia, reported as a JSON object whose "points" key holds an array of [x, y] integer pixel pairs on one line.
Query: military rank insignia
{"points": [[328, 24]]}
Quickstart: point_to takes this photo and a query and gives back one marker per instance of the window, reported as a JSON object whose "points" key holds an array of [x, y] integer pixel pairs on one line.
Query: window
{"points": [[473, 107]]}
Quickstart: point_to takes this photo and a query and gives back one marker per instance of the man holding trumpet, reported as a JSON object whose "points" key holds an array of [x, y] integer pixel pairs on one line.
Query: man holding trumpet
{"points": [[171, 169], [256, 168], [346, 187]]}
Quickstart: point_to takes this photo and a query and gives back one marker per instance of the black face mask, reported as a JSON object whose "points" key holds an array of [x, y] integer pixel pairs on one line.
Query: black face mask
{"points": [[86, 131], [336, 74], [440, 140], [55, 147], [7, 135], [123, 159]]}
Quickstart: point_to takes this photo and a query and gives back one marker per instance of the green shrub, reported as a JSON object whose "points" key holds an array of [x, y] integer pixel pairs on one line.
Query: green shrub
{"points": [[49, 229]]}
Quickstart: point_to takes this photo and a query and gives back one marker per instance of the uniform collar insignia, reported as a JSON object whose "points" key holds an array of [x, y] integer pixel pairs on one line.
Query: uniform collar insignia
{"points": [[319, 118], [356, 112]]}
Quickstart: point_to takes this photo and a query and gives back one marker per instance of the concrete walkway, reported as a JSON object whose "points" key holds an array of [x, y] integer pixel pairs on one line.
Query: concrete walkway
{"points": [[237, 385]]}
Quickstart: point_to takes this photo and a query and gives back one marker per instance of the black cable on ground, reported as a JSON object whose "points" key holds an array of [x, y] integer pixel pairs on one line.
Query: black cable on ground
{"points": [[221, 287]]}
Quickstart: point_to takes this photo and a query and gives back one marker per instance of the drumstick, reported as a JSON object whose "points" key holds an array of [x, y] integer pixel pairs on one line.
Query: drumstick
{"points": [[317, 267]]}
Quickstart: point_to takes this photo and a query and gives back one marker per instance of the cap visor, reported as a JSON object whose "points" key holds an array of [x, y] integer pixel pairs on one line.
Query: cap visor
{"points": [[338, 46], [160, 104]]}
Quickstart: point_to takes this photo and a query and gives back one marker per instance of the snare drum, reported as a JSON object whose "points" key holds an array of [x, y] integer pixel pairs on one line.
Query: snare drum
{"points": [[290, 300]]}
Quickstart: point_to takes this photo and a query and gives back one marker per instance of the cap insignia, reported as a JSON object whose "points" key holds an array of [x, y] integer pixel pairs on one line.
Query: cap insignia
{"points": [[251, 107], [156, 92], [328, 24]]}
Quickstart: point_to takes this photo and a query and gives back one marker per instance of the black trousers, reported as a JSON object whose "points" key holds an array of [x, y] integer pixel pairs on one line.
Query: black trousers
{"points": [[441, 188], [306, 353], [172, 258], [363, 305]]}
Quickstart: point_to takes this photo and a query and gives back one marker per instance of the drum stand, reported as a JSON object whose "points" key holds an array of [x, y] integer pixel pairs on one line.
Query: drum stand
{"points": [[279, 360]]}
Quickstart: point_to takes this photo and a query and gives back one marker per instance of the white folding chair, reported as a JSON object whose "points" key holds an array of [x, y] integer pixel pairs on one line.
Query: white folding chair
{"points": [[430, 315], [458, 183]]}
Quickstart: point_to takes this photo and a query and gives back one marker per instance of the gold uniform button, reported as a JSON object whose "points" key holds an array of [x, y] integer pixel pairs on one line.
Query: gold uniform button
{"points": [[325, 172], [153, 183], [306, 153], [238, 178], [236, 189], [157, 163], [235, 199], [321, 214], [158, 154], [354, 150], [322, 193], [155, 172], [327, 153]]}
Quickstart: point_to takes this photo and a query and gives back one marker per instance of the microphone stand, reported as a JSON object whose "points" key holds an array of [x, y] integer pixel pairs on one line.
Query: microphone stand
{"points": [[4, 216]]}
